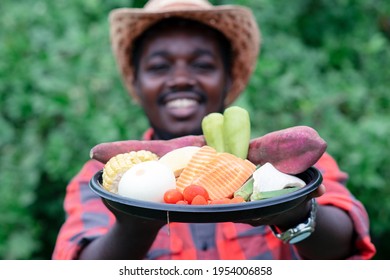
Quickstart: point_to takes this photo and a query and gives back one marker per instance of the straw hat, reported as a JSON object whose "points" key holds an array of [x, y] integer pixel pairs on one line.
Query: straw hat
{"points": [[237, 23]]}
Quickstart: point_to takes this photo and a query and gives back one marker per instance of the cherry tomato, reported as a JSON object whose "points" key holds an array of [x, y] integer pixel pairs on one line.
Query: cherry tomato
{"points": [[193, 190], [182, 202], [172, 196], [199, 200]]}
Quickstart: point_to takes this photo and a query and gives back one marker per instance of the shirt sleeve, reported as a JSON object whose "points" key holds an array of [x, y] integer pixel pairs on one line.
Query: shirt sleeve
{"points": [[86, 215], [339, 196]]}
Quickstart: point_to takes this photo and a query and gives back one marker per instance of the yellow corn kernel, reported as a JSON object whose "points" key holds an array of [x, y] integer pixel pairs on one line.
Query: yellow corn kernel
{"points": [[119, 164]]}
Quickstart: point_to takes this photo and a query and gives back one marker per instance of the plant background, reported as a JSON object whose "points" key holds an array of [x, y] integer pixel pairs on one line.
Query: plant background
{"points": [[323, 63]]}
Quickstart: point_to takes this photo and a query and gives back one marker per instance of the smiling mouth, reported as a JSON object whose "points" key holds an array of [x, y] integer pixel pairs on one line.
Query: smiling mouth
{"points": [[182, 108], [181, 103]]}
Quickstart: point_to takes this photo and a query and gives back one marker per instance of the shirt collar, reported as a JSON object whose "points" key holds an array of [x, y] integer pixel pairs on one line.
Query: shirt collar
{"points": [[148, 135]]}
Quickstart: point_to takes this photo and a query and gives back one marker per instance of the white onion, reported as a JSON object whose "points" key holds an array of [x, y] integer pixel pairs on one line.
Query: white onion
{"points": [[268, 178], [147, 181]]}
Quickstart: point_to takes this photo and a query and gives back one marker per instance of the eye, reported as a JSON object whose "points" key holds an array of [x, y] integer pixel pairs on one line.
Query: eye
{"points": [[204, 65], [158, 67], [157, 64]]}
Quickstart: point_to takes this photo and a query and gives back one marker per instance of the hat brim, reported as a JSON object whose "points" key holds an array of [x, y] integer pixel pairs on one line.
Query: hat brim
{"points": [[237, 23]]}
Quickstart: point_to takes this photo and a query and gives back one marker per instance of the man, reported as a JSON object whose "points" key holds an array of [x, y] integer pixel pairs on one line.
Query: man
{"points": [[181, 60]]}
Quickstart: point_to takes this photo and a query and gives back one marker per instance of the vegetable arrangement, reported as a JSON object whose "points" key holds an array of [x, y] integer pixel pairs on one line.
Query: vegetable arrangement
{"points": [[291, 150], [218, 173], [221, 166]]}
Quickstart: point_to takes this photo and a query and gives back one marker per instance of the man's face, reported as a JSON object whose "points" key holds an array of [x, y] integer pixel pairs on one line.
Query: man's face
{"points": [[180, 79]]}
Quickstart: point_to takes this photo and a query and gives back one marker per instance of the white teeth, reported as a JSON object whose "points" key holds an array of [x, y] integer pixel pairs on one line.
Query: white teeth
{"points": [[181, 103]]}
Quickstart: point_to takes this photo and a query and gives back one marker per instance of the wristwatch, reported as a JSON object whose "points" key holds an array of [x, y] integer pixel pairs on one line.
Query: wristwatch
{"points": [[301, 231]]}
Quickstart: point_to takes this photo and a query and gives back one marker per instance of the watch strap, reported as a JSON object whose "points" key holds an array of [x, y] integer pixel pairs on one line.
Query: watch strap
{"points": [[301, 231]]}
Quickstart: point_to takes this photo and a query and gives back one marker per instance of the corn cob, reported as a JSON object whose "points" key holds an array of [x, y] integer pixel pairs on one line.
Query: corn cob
{"points": [[119, 164]]}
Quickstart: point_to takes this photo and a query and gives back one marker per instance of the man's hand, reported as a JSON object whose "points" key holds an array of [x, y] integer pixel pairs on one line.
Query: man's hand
{"points": [[132, 222]]}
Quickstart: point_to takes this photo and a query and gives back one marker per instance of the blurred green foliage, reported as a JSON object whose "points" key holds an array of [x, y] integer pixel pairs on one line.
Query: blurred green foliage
{"points": [[323, 63]]}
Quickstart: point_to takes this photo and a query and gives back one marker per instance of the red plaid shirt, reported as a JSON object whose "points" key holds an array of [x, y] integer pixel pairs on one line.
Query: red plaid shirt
{"points": [[87, 218]]}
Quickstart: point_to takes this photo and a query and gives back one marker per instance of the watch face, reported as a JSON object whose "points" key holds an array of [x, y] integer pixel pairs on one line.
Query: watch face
{"points": [[299, 237]]}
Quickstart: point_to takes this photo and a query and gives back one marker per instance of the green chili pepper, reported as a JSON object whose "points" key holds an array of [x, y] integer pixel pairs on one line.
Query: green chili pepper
{"points": [[236, 131], [212, 126], [270, 194], [245, 191]]}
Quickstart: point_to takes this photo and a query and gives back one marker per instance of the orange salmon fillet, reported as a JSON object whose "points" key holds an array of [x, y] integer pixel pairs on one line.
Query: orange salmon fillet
{"points": [[197, 165], [228, 173], [221, 174]]}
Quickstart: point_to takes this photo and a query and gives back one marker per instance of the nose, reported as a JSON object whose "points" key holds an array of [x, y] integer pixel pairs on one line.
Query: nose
{"points": [[181, 77]]}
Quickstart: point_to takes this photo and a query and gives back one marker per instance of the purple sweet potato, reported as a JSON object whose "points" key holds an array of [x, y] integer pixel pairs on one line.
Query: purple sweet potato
{"points": [[104, 151], [291, 150]]}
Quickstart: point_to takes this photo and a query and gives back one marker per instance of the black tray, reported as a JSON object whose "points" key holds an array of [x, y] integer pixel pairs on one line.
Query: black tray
{"points": [[210, 213]]}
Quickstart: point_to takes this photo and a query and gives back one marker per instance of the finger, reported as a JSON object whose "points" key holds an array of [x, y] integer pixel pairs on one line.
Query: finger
{"points": [[322, 189], [317, 193]]}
